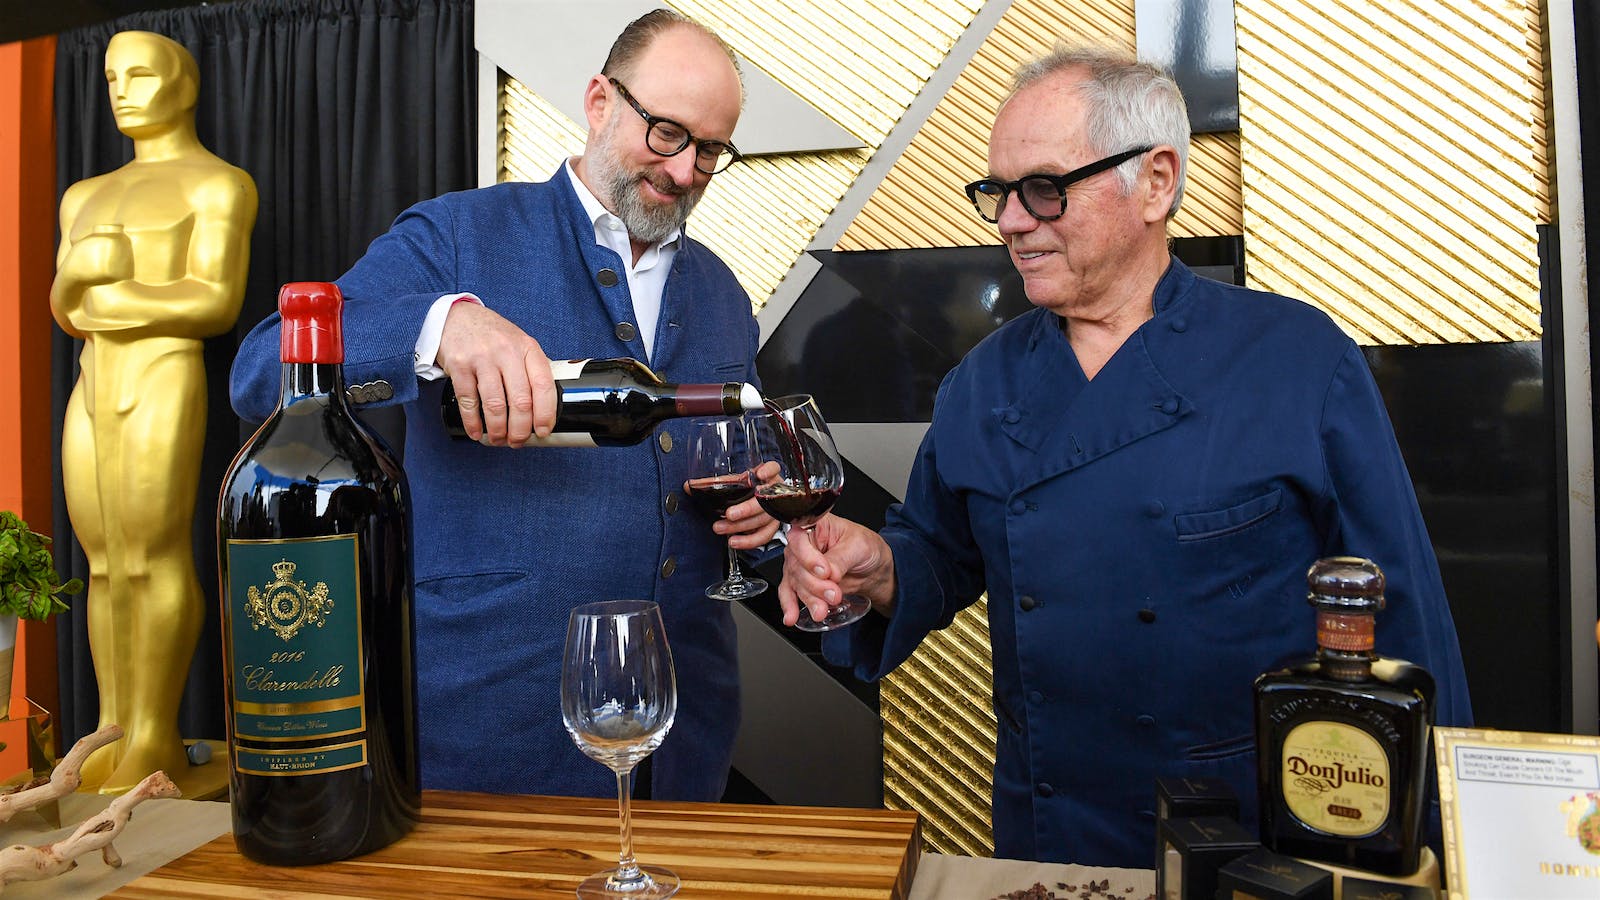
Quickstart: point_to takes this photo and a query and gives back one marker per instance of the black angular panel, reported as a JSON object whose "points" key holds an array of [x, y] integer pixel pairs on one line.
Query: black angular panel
{"points": [[1475, 425], [1194, 40], [875, 332]]}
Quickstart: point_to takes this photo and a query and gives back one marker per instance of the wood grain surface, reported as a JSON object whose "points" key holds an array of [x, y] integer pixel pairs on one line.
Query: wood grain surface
{"points": [[489, 846]]}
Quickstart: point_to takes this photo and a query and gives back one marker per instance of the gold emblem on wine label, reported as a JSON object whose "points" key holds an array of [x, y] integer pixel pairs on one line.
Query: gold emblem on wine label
{"points": [[284, 604]]}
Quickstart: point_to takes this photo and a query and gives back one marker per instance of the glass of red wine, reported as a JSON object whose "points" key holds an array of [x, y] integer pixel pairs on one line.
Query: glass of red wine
{"points": [[809, 478], [720, 462]]}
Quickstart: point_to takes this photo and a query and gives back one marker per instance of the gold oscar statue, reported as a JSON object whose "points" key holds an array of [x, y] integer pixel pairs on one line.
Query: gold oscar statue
{"points": [[152, 261]]}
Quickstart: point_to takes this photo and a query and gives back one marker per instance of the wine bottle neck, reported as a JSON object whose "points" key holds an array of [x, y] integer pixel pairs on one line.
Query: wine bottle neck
{"points": [[304, 380]]}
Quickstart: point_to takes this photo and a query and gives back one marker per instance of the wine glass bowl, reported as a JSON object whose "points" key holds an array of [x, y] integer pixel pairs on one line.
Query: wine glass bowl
{"points": [[807, 482], [720, 462], [619, 697]]}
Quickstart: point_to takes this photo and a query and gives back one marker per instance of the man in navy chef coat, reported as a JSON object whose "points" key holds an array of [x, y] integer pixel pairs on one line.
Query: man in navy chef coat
{"points": [[1139, 472], [593, 263]]}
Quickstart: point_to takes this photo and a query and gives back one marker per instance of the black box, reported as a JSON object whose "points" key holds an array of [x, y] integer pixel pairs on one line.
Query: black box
{"points": [[1190, 851], [1192, 798], [1264, 875], [1362, 889]]}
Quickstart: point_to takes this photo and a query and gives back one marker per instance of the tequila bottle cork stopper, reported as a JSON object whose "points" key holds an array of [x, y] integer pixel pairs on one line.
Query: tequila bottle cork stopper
{"points": [[1349, 583]]}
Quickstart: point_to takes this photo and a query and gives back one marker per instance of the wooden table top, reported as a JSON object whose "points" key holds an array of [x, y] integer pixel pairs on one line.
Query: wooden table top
{"points": [[486, 846]]}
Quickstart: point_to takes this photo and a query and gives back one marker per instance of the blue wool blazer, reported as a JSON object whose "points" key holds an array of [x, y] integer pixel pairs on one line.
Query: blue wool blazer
{"points": [[1144, 539], [508, 541]]}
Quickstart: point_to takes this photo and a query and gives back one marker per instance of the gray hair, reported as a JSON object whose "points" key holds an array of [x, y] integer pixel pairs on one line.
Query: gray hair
{"points": [[641, 32], [1128, 104]]}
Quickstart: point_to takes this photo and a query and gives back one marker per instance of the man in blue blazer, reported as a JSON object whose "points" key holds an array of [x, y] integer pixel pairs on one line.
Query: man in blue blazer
{"points": [[1139, 473], [487, 286]]}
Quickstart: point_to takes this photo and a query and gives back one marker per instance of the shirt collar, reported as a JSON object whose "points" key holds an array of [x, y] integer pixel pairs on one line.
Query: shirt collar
{"points": [[602, 218]]}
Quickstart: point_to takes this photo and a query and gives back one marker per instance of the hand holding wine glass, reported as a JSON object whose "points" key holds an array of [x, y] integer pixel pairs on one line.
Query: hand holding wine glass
{"points": [[807, 482], [618, 699], [721, 460]]}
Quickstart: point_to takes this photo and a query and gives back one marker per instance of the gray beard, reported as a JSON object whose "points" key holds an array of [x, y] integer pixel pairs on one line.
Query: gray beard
{"points": [[647, 222]]}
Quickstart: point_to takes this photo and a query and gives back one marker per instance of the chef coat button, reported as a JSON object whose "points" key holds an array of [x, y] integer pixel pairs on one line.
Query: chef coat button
{"points": [[626, 331], [1170, 406], [1146, 721], [666, 442], [1147, 616], [1045, 790], [1027, 602], [1035, 697], [671, 502], [668, 567], [1017, 506], [606, 277], [1180, 324], [1154, 509], [1012, 417]]}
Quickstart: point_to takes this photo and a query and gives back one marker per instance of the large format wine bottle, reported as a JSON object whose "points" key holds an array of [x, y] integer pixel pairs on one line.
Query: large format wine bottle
{"points": [[314, 540], [616, 402]]}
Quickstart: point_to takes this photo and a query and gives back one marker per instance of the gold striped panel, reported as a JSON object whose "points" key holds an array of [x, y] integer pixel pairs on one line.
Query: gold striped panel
{"points": [[939, 733], [920, 203], [1392, 158], [861, 63]]}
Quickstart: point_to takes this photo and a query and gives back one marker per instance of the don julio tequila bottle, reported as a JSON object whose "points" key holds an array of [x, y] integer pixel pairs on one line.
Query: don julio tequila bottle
{"points": [[314, 540], [1342, 738]]}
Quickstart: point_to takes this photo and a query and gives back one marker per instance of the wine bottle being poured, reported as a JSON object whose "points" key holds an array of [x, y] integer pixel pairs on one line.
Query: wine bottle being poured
{"points": [[618, 402]]}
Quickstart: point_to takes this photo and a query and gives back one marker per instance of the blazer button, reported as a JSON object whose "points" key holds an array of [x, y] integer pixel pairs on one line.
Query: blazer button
{"points": [[1154, 509], [668, 567], [1170, 406], [1146, 721], [1147, 616], [1027, 602], [381, 390], [1180, 324], [671, 502], [1012, 417], [626, 331], [1045, 790], [606, 277], [666, 442], [1017, 507], [1035, 697]]}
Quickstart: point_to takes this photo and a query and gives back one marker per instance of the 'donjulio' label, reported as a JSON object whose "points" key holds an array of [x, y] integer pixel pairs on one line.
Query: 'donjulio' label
{"points": [[1336, 778], [293, 625]]}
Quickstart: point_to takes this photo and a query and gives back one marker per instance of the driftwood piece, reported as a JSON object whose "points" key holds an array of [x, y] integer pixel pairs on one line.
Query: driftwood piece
{"points": [[66, 778], [23, 863]]}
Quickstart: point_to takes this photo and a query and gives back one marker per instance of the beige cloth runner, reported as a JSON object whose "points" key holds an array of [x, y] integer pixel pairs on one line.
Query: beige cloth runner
{"points": [[942, 877], [159, 832]]}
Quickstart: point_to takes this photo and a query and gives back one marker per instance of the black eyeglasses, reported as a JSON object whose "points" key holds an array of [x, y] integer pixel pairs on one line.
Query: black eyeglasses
{"points": [[1043, 196], [667, 138]]}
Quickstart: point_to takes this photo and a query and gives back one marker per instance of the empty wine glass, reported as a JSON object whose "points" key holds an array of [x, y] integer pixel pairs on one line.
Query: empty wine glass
{"points": [[618, 700], [809, 478], [720, 463]]}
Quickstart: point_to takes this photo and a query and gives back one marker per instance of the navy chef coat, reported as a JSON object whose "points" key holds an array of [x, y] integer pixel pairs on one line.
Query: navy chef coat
{"points": [[1144, 539]]}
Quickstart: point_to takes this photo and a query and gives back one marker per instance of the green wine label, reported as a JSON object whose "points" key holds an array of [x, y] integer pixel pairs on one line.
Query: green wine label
{"points": [[1336, 778], [293, 624]]}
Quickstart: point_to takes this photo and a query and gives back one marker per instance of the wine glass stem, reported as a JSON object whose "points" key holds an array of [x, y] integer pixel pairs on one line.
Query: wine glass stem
{"points": [[627, 867], [734, 575]]}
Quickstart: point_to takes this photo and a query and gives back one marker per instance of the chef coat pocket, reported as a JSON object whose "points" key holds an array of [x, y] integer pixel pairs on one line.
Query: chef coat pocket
{"points": [[1201, 526], [1232, 761]]}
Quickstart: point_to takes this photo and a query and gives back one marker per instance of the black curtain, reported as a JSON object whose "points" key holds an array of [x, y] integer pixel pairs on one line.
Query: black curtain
{"points": [[344, 112]]}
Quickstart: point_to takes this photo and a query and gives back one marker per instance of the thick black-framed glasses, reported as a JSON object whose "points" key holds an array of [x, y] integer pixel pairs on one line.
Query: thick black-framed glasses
{"points": [[665, 137], [1043, 196]]}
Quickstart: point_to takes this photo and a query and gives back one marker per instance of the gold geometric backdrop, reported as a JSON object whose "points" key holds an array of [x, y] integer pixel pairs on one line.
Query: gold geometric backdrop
{"points": [[1394, 163], [920, 203]]}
